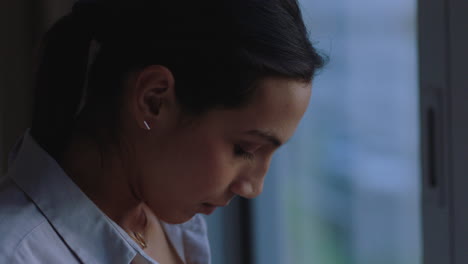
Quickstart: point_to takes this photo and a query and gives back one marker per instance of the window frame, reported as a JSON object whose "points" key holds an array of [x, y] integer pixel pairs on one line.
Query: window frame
{"points": [[458, 82], [442, 48]]}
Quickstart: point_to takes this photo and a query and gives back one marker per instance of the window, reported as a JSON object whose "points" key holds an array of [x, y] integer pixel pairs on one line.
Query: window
{"points": [[346, 189]]}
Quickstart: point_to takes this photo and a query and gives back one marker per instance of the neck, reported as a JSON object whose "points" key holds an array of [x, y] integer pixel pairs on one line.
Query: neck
{"points": [[103, 177]]}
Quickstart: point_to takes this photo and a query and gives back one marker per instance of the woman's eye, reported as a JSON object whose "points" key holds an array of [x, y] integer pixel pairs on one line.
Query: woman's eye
{"points": [[241, 152]]}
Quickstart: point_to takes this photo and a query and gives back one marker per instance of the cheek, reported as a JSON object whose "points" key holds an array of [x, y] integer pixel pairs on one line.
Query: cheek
{"points": [[211, 170], [191, 169]]}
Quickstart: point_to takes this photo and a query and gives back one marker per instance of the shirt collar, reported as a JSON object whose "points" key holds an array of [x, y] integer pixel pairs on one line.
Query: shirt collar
{"points": [[88, 232]]}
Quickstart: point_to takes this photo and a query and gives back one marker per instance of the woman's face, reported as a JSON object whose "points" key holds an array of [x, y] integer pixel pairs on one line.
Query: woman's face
{"points": [[189, 169]]}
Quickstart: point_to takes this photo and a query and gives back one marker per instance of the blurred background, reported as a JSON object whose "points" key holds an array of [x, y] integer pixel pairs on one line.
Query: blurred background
{"points": [[345, 189]]}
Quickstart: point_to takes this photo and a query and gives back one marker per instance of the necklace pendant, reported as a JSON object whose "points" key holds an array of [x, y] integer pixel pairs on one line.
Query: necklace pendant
{"points": [[139, 239]]}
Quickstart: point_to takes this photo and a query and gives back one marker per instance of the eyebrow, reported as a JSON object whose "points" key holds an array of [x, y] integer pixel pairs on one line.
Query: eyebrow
{"points": [[266, 135]]}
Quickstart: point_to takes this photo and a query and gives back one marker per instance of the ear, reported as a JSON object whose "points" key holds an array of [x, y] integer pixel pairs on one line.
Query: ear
{"points": [[153, 93]]}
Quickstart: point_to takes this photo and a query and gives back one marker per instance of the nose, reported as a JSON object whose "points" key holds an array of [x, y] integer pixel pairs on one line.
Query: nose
{"points": [[249, 183], [248, 187]]}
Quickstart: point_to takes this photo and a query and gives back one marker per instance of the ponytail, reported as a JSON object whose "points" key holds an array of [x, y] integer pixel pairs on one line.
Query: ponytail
{"points": [[60, 81]]}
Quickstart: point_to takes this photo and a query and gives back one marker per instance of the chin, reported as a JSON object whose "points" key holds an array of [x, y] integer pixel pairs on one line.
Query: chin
{"points": [[172, 214], [176, 219]]}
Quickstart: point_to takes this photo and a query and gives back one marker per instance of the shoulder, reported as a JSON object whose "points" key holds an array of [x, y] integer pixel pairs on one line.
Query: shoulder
{"points": [[20, 221]]}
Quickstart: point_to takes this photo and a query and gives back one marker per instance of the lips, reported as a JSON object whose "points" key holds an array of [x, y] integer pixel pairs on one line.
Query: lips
{"points": [[222, 203], [209, 208]]}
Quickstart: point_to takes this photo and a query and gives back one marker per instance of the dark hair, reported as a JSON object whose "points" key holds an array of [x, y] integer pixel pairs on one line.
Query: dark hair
{"points": [[216, 50]]}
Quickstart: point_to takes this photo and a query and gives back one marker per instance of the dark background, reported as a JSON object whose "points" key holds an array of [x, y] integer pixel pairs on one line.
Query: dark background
{"points": [[22, 23]]}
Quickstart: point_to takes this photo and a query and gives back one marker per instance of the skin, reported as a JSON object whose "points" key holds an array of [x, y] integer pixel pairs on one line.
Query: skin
{"points": [[183, 166]]}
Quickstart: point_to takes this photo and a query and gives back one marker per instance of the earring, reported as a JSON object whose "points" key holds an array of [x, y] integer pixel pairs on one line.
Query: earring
{"points": [[146, 124]]}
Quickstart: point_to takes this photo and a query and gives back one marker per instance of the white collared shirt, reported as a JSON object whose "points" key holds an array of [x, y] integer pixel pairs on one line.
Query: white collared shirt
{"points": [[46, 218]]}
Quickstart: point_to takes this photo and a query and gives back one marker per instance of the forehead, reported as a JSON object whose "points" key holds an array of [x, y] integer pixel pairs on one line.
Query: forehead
{"points": [[281, 96], [277, 106]]}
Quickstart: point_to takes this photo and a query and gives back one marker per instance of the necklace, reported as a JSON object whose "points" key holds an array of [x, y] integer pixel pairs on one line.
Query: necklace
{"points": [[139, 239]]}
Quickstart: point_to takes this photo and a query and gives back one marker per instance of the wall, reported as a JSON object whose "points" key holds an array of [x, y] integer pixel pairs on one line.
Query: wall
{"points": [[22, 23]]}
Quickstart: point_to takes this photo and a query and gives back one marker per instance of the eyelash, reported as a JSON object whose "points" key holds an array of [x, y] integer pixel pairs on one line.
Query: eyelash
{"points": [[240, 152]]}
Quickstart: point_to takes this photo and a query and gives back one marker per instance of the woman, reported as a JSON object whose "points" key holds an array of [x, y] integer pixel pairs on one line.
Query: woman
{"points": [[148, 113]]}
